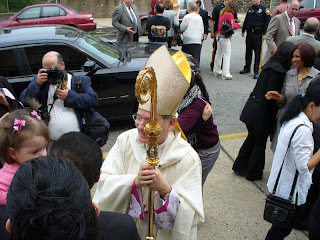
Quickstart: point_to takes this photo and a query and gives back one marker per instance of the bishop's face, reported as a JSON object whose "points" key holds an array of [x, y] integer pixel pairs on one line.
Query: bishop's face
{"points": [[143, 117]]}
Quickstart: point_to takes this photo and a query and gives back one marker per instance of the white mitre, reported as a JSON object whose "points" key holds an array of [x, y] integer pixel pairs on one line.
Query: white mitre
{"points": [[173, 74]]}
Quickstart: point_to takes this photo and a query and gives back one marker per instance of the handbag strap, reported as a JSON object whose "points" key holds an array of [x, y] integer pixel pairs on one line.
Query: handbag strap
{"points": [[296, 175]]}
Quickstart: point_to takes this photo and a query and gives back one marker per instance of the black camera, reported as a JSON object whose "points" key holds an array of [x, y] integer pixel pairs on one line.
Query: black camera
{"points": [[55, 75]]}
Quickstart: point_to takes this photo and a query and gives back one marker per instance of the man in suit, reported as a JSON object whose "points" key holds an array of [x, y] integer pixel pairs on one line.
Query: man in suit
{"points": [[310, 28], [282, 26], [125, 19]]}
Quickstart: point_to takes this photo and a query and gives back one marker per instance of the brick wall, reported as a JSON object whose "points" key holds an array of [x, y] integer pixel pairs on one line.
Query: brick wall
{"points": [[104, 8]]}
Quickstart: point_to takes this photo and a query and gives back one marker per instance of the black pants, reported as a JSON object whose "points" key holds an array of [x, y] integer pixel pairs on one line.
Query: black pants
{"points": [[253, 43], [193, 49], [214, 50], [251, 156], [136, 37], [277, 233]]}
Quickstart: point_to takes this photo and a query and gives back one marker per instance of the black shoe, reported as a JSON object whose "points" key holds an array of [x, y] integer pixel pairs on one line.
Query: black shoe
{"points": [[243, 71], [211, 66], [256, 76], [240, 172], [253, 178]]}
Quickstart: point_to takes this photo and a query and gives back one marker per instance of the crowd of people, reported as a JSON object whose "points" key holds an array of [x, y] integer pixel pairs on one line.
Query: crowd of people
{"points": [[48, 166]]}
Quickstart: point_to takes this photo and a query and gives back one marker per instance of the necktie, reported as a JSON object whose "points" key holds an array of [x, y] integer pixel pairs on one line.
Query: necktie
{"points": [[291, 27], [134, 21]]}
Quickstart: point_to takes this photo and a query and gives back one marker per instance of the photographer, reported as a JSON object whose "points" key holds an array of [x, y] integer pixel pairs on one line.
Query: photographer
{"points": [[55, 89]]}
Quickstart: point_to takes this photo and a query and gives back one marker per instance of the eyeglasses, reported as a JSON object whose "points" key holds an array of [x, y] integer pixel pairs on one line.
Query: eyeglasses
{"points": [[139, 119]]}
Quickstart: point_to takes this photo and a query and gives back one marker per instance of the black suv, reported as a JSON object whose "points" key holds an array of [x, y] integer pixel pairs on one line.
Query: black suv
{"points": [[112, 68]]}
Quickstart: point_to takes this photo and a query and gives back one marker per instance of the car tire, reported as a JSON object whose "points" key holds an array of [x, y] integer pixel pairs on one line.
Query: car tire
{"points": [[144, 27]]}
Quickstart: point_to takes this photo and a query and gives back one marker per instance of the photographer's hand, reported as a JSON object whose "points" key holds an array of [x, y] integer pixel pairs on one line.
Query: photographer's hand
{"points": [[42, 77], [62, 94]]}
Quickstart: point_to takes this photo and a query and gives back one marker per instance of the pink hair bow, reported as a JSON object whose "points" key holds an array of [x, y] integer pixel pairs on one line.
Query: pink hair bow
{"points": [[36, 115], [18, 124]]}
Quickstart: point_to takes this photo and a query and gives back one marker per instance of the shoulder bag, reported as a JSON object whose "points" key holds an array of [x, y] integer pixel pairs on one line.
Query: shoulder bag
{"points": [[227, 30], [277, 210], [97, 130]]}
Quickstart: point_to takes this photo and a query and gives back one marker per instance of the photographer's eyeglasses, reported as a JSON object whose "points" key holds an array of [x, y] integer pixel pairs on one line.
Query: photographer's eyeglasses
{"points": [[139, 119]]}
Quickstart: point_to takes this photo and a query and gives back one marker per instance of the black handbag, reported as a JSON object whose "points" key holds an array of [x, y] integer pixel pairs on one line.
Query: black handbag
{"points": [[97, 130], [277, 210], [227, 30]]}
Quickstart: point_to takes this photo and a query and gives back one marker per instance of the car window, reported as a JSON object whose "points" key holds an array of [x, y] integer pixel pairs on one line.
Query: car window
{"points": [[103, 50], [8, 67], [317, 4], [53, 11], [72, 58], [30, 13], [71, 9], [307, 4]]}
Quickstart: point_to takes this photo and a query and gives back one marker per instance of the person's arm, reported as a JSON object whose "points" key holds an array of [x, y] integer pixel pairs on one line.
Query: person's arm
{"points": [[87, 99], [32, 91], [266, 20], [302, 149], [184, 24], [271, 32], [244, 26], [230, 20]]}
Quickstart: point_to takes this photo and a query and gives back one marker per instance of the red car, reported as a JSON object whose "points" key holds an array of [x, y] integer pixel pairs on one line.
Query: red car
{"points": [[308, 8], [51, 14]]}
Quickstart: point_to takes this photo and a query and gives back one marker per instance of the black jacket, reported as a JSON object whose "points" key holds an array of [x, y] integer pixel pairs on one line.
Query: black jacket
{"points": [[260, 113]]}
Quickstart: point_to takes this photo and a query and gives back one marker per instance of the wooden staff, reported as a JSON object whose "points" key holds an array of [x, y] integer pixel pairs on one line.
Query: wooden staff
{"points": [[146, 87]]}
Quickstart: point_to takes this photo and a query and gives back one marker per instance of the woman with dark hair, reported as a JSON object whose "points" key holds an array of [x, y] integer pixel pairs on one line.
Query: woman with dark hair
{"points": [[296, 159], [259, 114], [195, 120], [295, 81], [50, 199]]}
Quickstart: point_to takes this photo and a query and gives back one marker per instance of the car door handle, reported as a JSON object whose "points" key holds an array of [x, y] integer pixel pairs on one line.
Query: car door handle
{"points": [[124, 96], [107, 98]]}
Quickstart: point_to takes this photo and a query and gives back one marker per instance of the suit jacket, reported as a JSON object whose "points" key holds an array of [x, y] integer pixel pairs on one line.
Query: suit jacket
{"points": [[258, 112], [278, 31], [121, 20], [204, 14], [305, 38], [117, 226]]}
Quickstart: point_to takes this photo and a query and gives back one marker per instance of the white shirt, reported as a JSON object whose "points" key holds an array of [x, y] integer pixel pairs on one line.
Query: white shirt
{"points": [[134, 15], [293, 23], [192, 28], [297, 158], [62, 119]]}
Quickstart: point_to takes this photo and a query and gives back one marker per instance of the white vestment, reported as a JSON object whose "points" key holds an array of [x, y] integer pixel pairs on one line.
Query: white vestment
{"points": [[180, 166]]}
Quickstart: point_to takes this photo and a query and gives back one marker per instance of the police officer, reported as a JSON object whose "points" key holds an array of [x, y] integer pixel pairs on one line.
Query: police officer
{"points": [[255, 23], [214, 22]]}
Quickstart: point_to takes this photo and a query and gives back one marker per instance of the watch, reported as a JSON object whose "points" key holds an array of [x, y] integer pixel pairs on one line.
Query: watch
{"points": [[165, 197]]}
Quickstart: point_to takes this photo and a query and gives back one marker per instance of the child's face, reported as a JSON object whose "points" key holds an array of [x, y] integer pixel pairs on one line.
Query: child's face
{"points": [[31, 148]]}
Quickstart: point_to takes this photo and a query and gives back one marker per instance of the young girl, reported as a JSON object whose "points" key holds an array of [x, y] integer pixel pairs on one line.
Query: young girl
{"points": [[23, 136]]}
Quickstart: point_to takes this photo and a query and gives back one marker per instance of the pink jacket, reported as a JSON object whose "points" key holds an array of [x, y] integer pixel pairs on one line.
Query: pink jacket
{"points": [[228, 18], [6, 175]]}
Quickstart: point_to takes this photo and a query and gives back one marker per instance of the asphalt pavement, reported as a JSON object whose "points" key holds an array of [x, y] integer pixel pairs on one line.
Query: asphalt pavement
{"points": [[233, 206]]}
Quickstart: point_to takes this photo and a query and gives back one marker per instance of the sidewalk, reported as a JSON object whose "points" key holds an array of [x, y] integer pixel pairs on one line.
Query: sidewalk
{"points": [[234, 206]]}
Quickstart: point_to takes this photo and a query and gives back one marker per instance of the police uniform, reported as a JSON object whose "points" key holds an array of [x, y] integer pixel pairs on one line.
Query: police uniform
{"points": [[215, 17], [255, 23]]}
